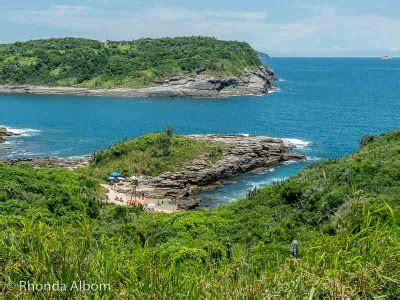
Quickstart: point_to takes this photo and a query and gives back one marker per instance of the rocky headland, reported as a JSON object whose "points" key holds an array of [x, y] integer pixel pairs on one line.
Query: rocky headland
{"points": [[243, 154], [197, 85]]}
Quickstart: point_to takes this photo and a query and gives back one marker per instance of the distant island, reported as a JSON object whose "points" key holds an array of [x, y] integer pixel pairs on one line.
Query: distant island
{"points": [[262, 55], [181, 66]]}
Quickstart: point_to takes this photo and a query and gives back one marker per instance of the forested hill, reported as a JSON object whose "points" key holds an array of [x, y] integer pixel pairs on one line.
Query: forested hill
{"points": [[138, 63]]}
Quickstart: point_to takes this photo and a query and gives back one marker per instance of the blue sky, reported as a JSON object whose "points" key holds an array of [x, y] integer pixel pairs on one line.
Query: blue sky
{"points": [[279, 27]]}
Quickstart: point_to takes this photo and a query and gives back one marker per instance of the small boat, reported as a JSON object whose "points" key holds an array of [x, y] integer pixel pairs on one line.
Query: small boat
{"points": [[386, 57]]}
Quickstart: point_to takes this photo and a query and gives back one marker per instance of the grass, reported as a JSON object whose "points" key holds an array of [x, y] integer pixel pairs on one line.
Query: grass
{"points": [[345, 214], [153, 154]]}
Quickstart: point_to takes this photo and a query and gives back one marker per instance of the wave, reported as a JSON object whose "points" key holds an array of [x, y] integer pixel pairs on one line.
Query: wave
{"points": [[79, 156], [313, 158], [300, 144], [264, 182], [289, 162], [23, 132], [282, 79], [275, 90]]}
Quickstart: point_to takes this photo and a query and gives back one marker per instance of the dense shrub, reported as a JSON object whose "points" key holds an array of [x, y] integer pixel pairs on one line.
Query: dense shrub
{"points": [[94, 64]]}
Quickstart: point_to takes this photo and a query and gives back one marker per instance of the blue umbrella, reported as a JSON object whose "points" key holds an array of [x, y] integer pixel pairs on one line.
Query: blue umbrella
{"points": [[115, 174]]}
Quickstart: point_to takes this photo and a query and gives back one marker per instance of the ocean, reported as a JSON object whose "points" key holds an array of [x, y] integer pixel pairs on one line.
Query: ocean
{"points": [[324, 105]]}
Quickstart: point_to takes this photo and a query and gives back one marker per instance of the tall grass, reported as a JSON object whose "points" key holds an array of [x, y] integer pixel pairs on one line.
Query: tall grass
{"points": [[344, 213]]}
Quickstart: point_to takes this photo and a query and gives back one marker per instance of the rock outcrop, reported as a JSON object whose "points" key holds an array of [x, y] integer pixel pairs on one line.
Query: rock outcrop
{"points": [[243, 154], [50, 162], [4, 133], [198, 85]]}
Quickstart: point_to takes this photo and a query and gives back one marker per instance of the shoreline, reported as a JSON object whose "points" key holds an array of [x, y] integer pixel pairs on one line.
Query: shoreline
{"points": [[198, 85], [244, 154]]}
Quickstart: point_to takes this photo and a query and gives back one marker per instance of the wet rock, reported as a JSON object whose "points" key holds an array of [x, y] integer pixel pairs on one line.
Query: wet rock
{"points": [[4, 133]]}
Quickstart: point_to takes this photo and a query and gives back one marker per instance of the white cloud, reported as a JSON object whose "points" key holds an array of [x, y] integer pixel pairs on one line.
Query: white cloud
{"points": [[246, 15], [69, 10], [324, 33]]}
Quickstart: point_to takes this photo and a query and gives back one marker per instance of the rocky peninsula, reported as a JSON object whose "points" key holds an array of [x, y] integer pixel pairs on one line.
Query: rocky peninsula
{"points": [[196, 85], [243, 153]]}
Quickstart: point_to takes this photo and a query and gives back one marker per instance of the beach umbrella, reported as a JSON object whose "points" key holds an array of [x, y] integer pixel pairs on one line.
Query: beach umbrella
{"points": [[115, 174]]}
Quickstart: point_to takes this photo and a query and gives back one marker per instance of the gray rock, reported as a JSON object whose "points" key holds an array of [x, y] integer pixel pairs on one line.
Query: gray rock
{"points": [[243, 154], [4, 133], [198, 85], [188, 204], [50, 162]]}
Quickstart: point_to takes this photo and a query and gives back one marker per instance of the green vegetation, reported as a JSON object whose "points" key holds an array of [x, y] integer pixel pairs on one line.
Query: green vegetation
{"points": [[262, 54], [55, 194], [138, 63], [345, 214], [153, 154]]}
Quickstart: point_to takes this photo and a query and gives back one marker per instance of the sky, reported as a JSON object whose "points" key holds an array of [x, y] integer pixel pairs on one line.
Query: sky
{"points": [[354, 28]]}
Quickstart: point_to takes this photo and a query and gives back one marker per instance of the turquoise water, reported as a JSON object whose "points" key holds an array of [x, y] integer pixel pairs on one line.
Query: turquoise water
{"points": [[325, 104]]}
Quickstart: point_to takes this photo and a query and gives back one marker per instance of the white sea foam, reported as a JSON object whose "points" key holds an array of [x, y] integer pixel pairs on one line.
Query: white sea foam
{"points": [[24, 132], [275, 90], [23, 153], [79, 156], [289, 162], [282, 79], [300, 144], [313, 158]]}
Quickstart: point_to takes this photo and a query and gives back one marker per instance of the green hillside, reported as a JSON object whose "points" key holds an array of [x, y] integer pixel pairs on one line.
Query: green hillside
{"points": [[95, 64], [344, 213]]}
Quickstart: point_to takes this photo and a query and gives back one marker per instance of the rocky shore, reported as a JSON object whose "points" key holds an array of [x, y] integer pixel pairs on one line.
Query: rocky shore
{"points": [[4, 133], [197, 85], [243, 154], [50, 162]]}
